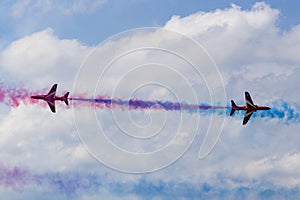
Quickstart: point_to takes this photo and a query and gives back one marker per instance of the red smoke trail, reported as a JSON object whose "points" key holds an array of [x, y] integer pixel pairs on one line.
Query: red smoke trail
{"points": [[13, 96]]}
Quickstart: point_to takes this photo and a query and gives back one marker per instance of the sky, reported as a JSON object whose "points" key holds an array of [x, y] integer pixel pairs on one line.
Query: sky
{"points": [[196, 53]]}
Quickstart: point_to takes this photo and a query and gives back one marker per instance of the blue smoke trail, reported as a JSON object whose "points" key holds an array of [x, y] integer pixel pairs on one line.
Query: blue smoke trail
{"points": [[73, 184], [284, 111]]}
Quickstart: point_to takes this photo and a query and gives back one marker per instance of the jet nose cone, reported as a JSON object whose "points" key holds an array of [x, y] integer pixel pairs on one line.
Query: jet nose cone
{"points": [[34, 97]]}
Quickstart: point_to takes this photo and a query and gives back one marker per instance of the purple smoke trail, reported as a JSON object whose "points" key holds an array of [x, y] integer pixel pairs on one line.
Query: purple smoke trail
{"points": [[18, 179], [286, 112], [15, 178], [134, 104]]}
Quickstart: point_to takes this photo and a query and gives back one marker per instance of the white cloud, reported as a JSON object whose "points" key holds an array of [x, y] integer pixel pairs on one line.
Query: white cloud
{"points": [[247, 46], [42, 58], [281, 170], [229, 22], [40, 141], [235, 37]]}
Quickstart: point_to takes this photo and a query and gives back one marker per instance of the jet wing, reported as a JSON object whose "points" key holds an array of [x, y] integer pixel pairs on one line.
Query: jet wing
{"points": [[51, 105], [249, 102], [52, 90], [247, 116]]}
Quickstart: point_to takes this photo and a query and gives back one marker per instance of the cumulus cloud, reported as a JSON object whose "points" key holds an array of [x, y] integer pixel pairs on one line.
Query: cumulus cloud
{"points": [[247, 46], [231, 34], [43, 58], [280, 169], [29, 135]]}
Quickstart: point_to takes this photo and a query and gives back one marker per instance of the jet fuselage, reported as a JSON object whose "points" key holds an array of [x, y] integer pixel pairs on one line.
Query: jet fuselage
{"points": [[251, 108], [50, 98]]}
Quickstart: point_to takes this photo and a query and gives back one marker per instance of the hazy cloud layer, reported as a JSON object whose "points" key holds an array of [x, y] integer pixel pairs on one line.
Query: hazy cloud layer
{"points": [[38, 8]]}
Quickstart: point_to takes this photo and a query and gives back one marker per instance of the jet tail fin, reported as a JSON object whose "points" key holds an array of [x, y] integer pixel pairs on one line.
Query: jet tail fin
{"points": [[233, 105], [65, 98]]}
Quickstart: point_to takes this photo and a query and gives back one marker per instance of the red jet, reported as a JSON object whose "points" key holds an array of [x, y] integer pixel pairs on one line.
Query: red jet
{"points": [[249, 108], [51, 98]]}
